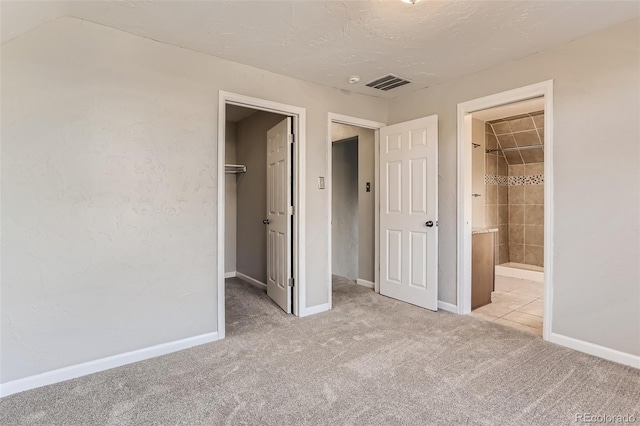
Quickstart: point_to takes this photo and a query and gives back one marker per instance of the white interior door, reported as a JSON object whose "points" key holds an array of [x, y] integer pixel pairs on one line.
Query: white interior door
{"points": [[279, 214], [409, 212]]}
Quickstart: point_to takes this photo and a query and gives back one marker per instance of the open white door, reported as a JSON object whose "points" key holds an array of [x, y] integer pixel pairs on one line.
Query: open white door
{"points": [[279, 213], [409, 212]]}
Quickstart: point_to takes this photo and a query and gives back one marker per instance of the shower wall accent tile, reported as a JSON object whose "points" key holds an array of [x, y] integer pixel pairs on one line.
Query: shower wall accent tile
{"points": [[496, 180], [513, 180], [526, 180]]}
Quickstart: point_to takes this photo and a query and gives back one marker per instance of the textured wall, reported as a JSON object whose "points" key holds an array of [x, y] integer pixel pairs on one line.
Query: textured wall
{"points": [[596, 296], [109, 177], [252, 193]]}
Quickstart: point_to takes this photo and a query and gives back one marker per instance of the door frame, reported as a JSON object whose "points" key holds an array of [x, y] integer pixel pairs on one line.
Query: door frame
{"points": [[299, 116], [367, 124], [464, 148]]}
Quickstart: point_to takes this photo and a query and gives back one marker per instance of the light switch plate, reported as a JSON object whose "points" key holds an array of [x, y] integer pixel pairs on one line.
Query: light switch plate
{"points": [[321, 182]]}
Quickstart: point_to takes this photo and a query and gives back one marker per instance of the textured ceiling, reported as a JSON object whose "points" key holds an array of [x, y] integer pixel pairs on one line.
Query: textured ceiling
{"points": [[327, 41]]}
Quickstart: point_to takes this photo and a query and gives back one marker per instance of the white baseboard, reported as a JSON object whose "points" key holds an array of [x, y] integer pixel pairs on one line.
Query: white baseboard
{"points": [[95, 366], [315, 310], [447, 307], [596, 350], [249, 279], [365, 283], [230, 274], [523, 274]]}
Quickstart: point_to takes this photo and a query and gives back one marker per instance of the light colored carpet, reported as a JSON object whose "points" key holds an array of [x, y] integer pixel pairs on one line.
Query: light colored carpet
{"points": [[371, 360]]}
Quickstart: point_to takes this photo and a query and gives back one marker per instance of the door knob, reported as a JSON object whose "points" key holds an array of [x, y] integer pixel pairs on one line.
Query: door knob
{"points": [[429, 224], [266, 221]]}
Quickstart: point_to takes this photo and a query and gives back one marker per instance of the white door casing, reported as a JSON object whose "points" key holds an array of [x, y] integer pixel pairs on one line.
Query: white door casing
{"points": [[279, 214], [408, 205]]}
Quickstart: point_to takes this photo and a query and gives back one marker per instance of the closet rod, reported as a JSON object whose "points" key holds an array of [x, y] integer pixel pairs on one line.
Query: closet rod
{"points": [[516, 148], [235, 168]]}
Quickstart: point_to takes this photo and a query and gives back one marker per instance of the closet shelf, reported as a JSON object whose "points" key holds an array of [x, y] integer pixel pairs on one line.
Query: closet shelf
{"points": [[235, 168]]}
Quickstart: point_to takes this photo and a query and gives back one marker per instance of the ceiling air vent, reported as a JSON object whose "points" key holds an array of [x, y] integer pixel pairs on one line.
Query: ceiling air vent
{"points": [[388, 82]]}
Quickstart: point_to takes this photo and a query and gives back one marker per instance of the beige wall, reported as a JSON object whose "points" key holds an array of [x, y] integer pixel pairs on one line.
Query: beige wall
{"points": [[230, 200], [366, 200], [109, 197], [596, 296], [251, 151], [109, 201]]}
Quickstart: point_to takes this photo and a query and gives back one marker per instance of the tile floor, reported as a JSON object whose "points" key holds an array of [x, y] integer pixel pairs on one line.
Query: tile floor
{"points": [[515, 303]]}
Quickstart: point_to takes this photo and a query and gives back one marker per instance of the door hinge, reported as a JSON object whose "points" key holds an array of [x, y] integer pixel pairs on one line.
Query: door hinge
{"points": [[292, 138], [291, 282], [292, 210]]}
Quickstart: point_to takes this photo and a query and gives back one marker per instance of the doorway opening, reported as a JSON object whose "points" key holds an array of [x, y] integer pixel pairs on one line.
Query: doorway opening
{"points": [[260, 162], [505, 213], [353, 205], [247, 180], [352, 183]]}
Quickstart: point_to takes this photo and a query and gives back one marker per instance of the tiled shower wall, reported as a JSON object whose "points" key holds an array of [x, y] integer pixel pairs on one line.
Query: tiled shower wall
{"points": [[526, 214], [515, 191], [497, 200]]}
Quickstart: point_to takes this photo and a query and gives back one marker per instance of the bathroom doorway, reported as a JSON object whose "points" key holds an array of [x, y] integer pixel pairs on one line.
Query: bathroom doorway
{"points": [[506, 211]]}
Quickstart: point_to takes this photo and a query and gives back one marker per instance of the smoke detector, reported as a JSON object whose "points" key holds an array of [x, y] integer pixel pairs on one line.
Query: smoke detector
{"points": [[354, 79]]}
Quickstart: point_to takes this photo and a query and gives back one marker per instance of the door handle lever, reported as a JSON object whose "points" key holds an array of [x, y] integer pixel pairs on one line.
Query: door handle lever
{"points": [[266, 221], [429, 224]]}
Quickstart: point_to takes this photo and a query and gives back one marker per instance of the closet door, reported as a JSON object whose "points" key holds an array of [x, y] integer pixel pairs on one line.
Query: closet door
{"points": [[279, 214]]}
